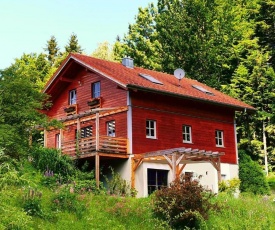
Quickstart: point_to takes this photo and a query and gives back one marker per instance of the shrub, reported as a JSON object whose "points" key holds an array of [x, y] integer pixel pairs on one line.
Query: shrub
{"points": [[32, 203], [67, 200], [271, 181], [230, 186], [51, 160], [9, 173], [118, 186], [184, 203], [251, 175]]}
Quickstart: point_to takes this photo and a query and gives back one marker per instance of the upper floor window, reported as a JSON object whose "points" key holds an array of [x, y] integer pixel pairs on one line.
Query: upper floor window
{"points": [[219, 138], [96, 89], [111, 128], [72, 97], [186, 134], [151, 129]]}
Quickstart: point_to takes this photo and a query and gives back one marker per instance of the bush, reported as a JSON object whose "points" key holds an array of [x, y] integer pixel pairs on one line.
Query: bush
{"points": [[251, 175], [118, 186], [67, 200], [32, 203], [271, 181], [52, 161], [184, 203], [230, 186]]}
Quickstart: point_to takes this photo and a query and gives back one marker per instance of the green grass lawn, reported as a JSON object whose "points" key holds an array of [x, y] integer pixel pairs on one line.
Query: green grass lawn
{"points": [[36, 205]]}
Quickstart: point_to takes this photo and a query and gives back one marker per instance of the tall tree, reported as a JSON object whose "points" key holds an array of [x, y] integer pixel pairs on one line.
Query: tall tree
{"points": [[254, 82], [104, 51], [20, 101], [73, 46], [266, 28], [199, 36], [141, 42], [52, 49]]}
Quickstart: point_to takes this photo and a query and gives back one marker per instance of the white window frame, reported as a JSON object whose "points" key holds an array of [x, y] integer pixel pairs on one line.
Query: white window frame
{"points": [[96, 89], [111, 128], [151, 129], [72, 97], [58, 141], [186, 134], [219, 138]]}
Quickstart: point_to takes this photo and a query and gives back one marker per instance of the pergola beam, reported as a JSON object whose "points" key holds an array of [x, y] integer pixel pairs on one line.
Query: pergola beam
{"points": [[176, 156]]}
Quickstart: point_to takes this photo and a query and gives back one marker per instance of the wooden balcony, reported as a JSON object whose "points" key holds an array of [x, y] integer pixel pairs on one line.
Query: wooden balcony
{"points": [[85, 147]]}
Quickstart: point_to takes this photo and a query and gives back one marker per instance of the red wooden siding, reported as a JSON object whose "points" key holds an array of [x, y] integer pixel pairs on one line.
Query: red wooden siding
{"points": [[112, 96], [171, 113]]}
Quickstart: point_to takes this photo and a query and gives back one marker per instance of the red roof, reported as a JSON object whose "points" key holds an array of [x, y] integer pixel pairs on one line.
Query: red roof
{"points": [[130, 78]]}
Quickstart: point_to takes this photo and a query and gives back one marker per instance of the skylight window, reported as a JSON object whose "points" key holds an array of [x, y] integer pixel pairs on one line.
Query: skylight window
{"points": [[200, 88], [150, 78]]}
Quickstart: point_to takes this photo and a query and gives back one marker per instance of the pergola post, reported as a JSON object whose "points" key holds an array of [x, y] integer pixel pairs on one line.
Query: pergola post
{"points": [[174, 165], [45, 138]]}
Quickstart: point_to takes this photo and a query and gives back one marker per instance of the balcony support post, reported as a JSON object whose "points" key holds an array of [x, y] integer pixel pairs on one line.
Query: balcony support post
{"points": [[97, 160], [97, 165]]}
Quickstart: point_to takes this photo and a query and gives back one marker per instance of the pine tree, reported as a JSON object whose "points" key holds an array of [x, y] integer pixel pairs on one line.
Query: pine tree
{"points": [[52, 50], [73, 46]]}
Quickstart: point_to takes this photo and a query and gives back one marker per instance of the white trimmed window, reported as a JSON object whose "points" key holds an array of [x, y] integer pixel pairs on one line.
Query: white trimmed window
{"points": [[219, 138], [96, 89], [111, 128], [72, 97], [58, 141], [186, 134], [151, 129]]}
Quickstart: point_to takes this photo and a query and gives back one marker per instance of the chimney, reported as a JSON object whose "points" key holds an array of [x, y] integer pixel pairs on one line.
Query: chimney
{"points": [[128, 62]]}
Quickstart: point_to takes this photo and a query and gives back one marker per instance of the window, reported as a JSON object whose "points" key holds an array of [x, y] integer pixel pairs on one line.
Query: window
{"points": [[150, 78], [150, 129], [96, 89], [72, 97], [202, 89], [57, 141], [186, 134], [85, 132], [219, 138], [111, 128], [156, 179]]}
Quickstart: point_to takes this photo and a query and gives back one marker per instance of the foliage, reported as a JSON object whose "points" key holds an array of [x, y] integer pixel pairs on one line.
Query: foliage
{"points": [[230, 186], [244, 212], [271, 181], [184, 203], [104, 51], [32, 203], [67, 200], [52, 161], [254, 83], [118, 186], [52, 50], [251, 175], [141, 41], [13, 218], [9, 173], [73, 46]]}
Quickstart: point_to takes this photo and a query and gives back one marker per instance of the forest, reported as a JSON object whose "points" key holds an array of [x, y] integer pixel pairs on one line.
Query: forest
{"points": [[226, 44]]}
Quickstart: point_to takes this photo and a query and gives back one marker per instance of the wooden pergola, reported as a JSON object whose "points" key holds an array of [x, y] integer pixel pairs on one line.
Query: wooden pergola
{"points": [[177, 159]]}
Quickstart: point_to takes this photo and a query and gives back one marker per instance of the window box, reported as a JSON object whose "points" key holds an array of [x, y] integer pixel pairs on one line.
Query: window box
{"points": [[94, 103], [72, 109]]}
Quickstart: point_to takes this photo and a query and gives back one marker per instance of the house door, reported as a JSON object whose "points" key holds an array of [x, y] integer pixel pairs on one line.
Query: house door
{"points": [[156, 179]]}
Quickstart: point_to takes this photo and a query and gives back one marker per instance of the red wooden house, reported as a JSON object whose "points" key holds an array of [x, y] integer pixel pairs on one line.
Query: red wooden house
{"points": [[147, 125]]}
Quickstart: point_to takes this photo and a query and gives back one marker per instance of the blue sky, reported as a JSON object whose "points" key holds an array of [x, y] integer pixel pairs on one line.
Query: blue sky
{"points": [[27, 25]]}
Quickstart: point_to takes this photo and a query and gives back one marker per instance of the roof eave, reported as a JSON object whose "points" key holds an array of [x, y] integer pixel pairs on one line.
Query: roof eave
{"points": [[236, 107], [86, 66]]}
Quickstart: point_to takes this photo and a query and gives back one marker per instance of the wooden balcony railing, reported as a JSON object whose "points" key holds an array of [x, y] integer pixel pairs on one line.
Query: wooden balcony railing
{"points": [[87, 145]]}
